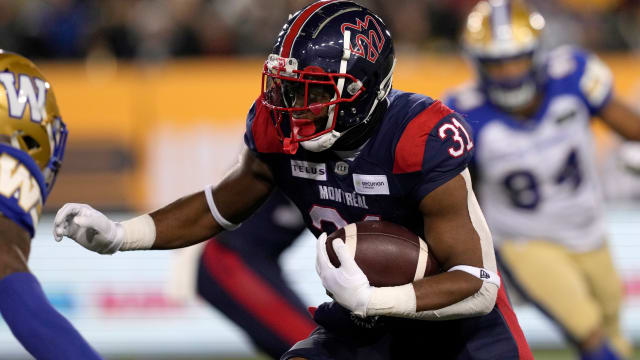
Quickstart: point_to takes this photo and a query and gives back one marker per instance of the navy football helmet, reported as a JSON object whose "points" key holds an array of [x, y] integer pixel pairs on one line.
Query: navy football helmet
{"points": [[332, 64]]}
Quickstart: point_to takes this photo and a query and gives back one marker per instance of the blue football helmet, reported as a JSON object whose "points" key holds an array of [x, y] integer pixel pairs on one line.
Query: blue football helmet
{"points": [[331, 66], [499, 31]]}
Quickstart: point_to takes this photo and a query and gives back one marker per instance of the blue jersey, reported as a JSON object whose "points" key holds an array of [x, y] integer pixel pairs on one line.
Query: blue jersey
{"points": [[542, 169], [418, 145], [22, 188]]}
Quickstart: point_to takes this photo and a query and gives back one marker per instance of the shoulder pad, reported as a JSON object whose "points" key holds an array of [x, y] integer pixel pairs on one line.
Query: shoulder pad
{"points": [[261, 135], [584, 72], [410, 148]]}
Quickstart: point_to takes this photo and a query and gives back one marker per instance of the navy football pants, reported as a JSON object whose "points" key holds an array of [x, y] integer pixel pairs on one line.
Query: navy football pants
{"points": [[249, 289]]}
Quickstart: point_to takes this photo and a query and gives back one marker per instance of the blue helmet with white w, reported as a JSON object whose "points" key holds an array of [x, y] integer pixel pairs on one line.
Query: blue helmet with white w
{"points": [[330, 68]]}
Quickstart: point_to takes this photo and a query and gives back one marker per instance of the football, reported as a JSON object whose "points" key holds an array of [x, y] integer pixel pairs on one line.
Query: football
{"points": [[389, 254]]}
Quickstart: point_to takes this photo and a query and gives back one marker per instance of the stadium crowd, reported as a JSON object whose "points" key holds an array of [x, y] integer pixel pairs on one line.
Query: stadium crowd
{"points": [[157, 29]]}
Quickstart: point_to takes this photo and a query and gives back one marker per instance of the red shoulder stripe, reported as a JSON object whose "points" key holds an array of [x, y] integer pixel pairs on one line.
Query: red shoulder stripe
{"points": [[285, 51], [410, 148], [264, 133]]}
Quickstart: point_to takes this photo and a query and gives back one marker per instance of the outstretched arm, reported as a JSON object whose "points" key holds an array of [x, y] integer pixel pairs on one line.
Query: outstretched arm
{"points": [[622, 118], [189, 220], [186, 221], [42, 330]]}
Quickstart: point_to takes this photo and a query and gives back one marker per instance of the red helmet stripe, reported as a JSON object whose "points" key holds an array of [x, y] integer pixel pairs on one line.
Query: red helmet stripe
{"points": [[291, 36]]}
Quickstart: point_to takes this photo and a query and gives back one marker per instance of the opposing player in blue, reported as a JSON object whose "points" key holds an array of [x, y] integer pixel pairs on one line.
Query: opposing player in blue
{"points": [[536, 173], [32, 142], [272, 314], [331, 134]]}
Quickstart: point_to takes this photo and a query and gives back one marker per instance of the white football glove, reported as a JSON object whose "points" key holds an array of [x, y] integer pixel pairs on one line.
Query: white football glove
{"points": [[347, 284], [89, 228]]}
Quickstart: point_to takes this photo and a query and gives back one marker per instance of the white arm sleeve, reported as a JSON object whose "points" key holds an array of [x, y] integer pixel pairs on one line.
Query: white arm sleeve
{"points": [[400, 301]]}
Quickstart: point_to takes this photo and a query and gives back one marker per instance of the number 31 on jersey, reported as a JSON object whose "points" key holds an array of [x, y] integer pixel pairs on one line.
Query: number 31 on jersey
{"points": [[453, 129]]}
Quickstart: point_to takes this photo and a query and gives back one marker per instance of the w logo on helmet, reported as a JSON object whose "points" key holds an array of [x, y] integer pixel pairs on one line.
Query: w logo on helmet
{"points": [[18, 99], [369, 38]]}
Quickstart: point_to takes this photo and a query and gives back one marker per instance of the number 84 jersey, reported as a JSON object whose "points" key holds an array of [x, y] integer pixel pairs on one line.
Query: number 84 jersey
{"points": [[537, 177]]}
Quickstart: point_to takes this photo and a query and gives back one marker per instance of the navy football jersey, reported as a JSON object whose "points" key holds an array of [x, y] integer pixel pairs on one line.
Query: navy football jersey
{"points": [[22, 188], [418, 145]]}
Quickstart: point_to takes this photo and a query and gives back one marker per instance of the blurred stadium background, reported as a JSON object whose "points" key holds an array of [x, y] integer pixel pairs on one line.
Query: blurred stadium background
{"points": [[155, 92]]}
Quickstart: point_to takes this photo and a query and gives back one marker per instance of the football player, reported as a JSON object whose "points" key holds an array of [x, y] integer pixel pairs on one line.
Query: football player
{"points": [[332, 135], [32, 142], [271, 314], [536, 173]]}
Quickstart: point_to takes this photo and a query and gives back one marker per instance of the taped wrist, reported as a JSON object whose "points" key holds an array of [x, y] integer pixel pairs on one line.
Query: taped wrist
{"points": [[397, 301], [139, 233]]}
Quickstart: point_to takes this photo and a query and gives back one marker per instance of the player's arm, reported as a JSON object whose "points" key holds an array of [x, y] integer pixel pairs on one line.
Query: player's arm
{"points": [[25, 308], [596, 88], [621, 118], [187, 221], [23, 304], [460, 239], [453, 239]]}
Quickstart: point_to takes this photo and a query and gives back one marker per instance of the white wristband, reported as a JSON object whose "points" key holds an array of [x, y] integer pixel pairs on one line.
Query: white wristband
{"points": [[482, 274], [393, 301], [226, 224], [139, 233]]}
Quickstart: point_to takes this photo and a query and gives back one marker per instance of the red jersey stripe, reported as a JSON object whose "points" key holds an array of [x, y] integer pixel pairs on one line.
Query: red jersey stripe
{"points": [[256, 295], [265, 135], [502, 302], [411, 146]]}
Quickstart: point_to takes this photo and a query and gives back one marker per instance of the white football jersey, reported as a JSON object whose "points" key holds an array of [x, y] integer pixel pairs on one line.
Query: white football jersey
{"points": [[538, 177]]}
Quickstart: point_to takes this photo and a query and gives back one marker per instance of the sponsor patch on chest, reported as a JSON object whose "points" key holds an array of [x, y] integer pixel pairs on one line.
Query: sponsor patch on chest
{"points": [[309, 170], [371, 184]]}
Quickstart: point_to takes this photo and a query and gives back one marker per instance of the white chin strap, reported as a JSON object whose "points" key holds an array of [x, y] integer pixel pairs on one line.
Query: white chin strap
{"points": [[322, 142], [514, 99]]}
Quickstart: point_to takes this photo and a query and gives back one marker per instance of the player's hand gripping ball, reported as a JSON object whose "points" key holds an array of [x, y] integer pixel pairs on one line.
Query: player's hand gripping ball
{"points": [[388, 254], [360, 256]]}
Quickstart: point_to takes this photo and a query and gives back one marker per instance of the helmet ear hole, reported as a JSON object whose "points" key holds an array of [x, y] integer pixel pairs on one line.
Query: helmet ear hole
{"points": [[30, 142]]}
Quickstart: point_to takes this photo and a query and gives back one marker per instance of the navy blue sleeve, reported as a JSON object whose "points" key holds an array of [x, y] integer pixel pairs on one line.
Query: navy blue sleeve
{"points": [[248, 135], [448, 152], [22, 188], [42, 330]]}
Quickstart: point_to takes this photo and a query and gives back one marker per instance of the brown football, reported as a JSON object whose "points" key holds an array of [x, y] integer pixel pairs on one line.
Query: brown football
{"points": [[389, 254]]}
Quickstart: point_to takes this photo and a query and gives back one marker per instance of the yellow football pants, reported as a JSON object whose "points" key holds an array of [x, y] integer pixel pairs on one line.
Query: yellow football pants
{"points": [[581, 291]]}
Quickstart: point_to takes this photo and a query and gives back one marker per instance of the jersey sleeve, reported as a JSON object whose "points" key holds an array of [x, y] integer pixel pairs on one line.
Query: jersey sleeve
{"points": [[587, 74], [261, 135], [22, 188], [434, 147], [596, 83]]}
